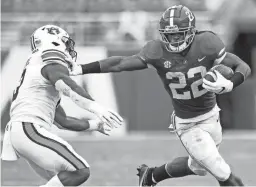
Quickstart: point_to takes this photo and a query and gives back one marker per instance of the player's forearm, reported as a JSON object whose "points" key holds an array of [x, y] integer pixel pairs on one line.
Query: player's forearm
{"points": [[111, 64], [77, 98], [115, 64], [68, 83], [74, 124], [65, 122], [242, 71]]}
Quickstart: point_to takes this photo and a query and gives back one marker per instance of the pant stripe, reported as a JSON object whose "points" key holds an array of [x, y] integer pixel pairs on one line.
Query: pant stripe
{"points": [[54, 145]]}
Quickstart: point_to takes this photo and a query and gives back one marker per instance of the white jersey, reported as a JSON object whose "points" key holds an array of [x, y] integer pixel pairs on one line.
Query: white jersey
{"points": [[35, 99]]}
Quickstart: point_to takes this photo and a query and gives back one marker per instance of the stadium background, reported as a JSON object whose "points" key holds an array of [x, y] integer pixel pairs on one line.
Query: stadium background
{"points": [[104, 28]]}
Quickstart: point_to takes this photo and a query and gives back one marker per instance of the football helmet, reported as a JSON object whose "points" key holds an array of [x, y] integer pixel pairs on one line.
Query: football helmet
{"points": [[177, 28], [52, 36]]}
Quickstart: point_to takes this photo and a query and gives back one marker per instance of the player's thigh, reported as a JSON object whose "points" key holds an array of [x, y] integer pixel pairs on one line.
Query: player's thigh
{"points": [[41, 171], [198, 143], [47, 150], [204, 153], [213, 127]]}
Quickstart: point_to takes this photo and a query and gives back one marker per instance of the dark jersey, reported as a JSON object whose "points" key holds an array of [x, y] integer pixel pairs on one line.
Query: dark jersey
{"points": [[182, 74]]}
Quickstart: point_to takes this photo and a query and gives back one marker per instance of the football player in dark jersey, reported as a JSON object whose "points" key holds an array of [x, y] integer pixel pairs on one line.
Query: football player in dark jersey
{"points": [[181, 59]]}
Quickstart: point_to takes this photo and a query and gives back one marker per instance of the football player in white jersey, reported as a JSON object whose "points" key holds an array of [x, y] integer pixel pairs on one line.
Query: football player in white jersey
{"points": [[35, 107]]}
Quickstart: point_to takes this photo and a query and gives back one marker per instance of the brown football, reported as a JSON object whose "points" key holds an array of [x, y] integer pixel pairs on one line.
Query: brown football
{"points": [[225, 71]]}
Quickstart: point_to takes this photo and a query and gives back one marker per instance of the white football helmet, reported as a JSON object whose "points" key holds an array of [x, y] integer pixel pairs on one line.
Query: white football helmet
{"points": [[52, 36]]}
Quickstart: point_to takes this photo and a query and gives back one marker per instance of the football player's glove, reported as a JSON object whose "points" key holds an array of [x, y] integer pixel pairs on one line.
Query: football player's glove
{"points": [[220, 86]]}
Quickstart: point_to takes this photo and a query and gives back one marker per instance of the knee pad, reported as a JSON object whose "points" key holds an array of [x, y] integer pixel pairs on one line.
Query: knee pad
{"points": [[199, 172], [196, 168], [218, 168]]}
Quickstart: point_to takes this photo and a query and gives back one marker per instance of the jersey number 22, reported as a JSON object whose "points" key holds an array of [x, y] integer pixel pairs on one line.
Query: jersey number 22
{"points": [[195, 92]]}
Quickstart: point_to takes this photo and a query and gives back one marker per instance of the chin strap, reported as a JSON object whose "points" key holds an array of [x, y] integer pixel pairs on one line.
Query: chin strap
{"points": [[179, 48]]}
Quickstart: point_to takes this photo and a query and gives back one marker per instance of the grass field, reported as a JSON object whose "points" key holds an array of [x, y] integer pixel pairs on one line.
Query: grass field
{"points": [[113, 162]]}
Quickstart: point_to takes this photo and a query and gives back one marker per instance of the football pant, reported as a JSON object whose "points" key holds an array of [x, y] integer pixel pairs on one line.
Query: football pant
{"points": [[201, 140], [46, 153]]}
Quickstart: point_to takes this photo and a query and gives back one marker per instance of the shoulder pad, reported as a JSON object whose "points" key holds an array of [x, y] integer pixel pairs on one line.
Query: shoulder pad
{"points": [[209, 42], [54, 55], [153, 49]]}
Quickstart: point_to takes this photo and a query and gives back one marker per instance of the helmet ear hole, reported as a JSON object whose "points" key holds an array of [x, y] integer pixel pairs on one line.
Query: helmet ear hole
{"points": [[37, 41], [55, 43]]}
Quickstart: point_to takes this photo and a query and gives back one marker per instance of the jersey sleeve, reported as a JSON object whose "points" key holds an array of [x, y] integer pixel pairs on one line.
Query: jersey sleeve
{"points": [[214, 47], [151, 52], [51, 56]]}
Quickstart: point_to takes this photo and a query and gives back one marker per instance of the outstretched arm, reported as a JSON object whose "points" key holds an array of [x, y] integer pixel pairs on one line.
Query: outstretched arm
{"points": [[147, 57], [121, 63], [111, 64], [75, 124], [70, 123], [58, 75]]}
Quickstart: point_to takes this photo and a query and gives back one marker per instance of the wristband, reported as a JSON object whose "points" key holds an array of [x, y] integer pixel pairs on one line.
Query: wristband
{"points": [[93, 67], [93, 125], [237, 79]]}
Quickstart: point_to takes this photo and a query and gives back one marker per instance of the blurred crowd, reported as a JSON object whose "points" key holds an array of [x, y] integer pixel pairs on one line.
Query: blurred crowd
{"points": [[90, 22], [95, 5]]}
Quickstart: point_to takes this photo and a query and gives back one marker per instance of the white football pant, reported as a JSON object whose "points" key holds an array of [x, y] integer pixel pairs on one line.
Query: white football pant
{"points": [[201, 140]]}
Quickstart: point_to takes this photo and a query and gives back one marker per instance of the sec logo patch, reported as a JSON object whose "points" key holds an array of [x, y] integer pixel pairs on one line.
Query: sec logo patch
{"points": [[167, 64]]}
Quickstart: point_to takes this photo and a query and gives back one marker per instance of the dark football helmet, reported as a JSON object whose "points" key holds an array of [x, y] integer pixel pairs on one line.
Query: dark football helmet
{"points": [[177, 28]]}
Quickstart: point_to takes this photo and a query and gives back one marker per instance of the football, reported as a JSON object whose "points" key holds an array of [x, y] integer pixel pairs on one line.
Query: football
{"points": [[225, 71]]}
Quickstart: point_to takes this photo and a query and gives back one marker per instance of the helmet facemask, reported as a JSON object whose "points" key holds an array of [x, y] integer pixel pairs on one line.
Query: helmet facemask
{"points": [[70, 46], [170, 34]]}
